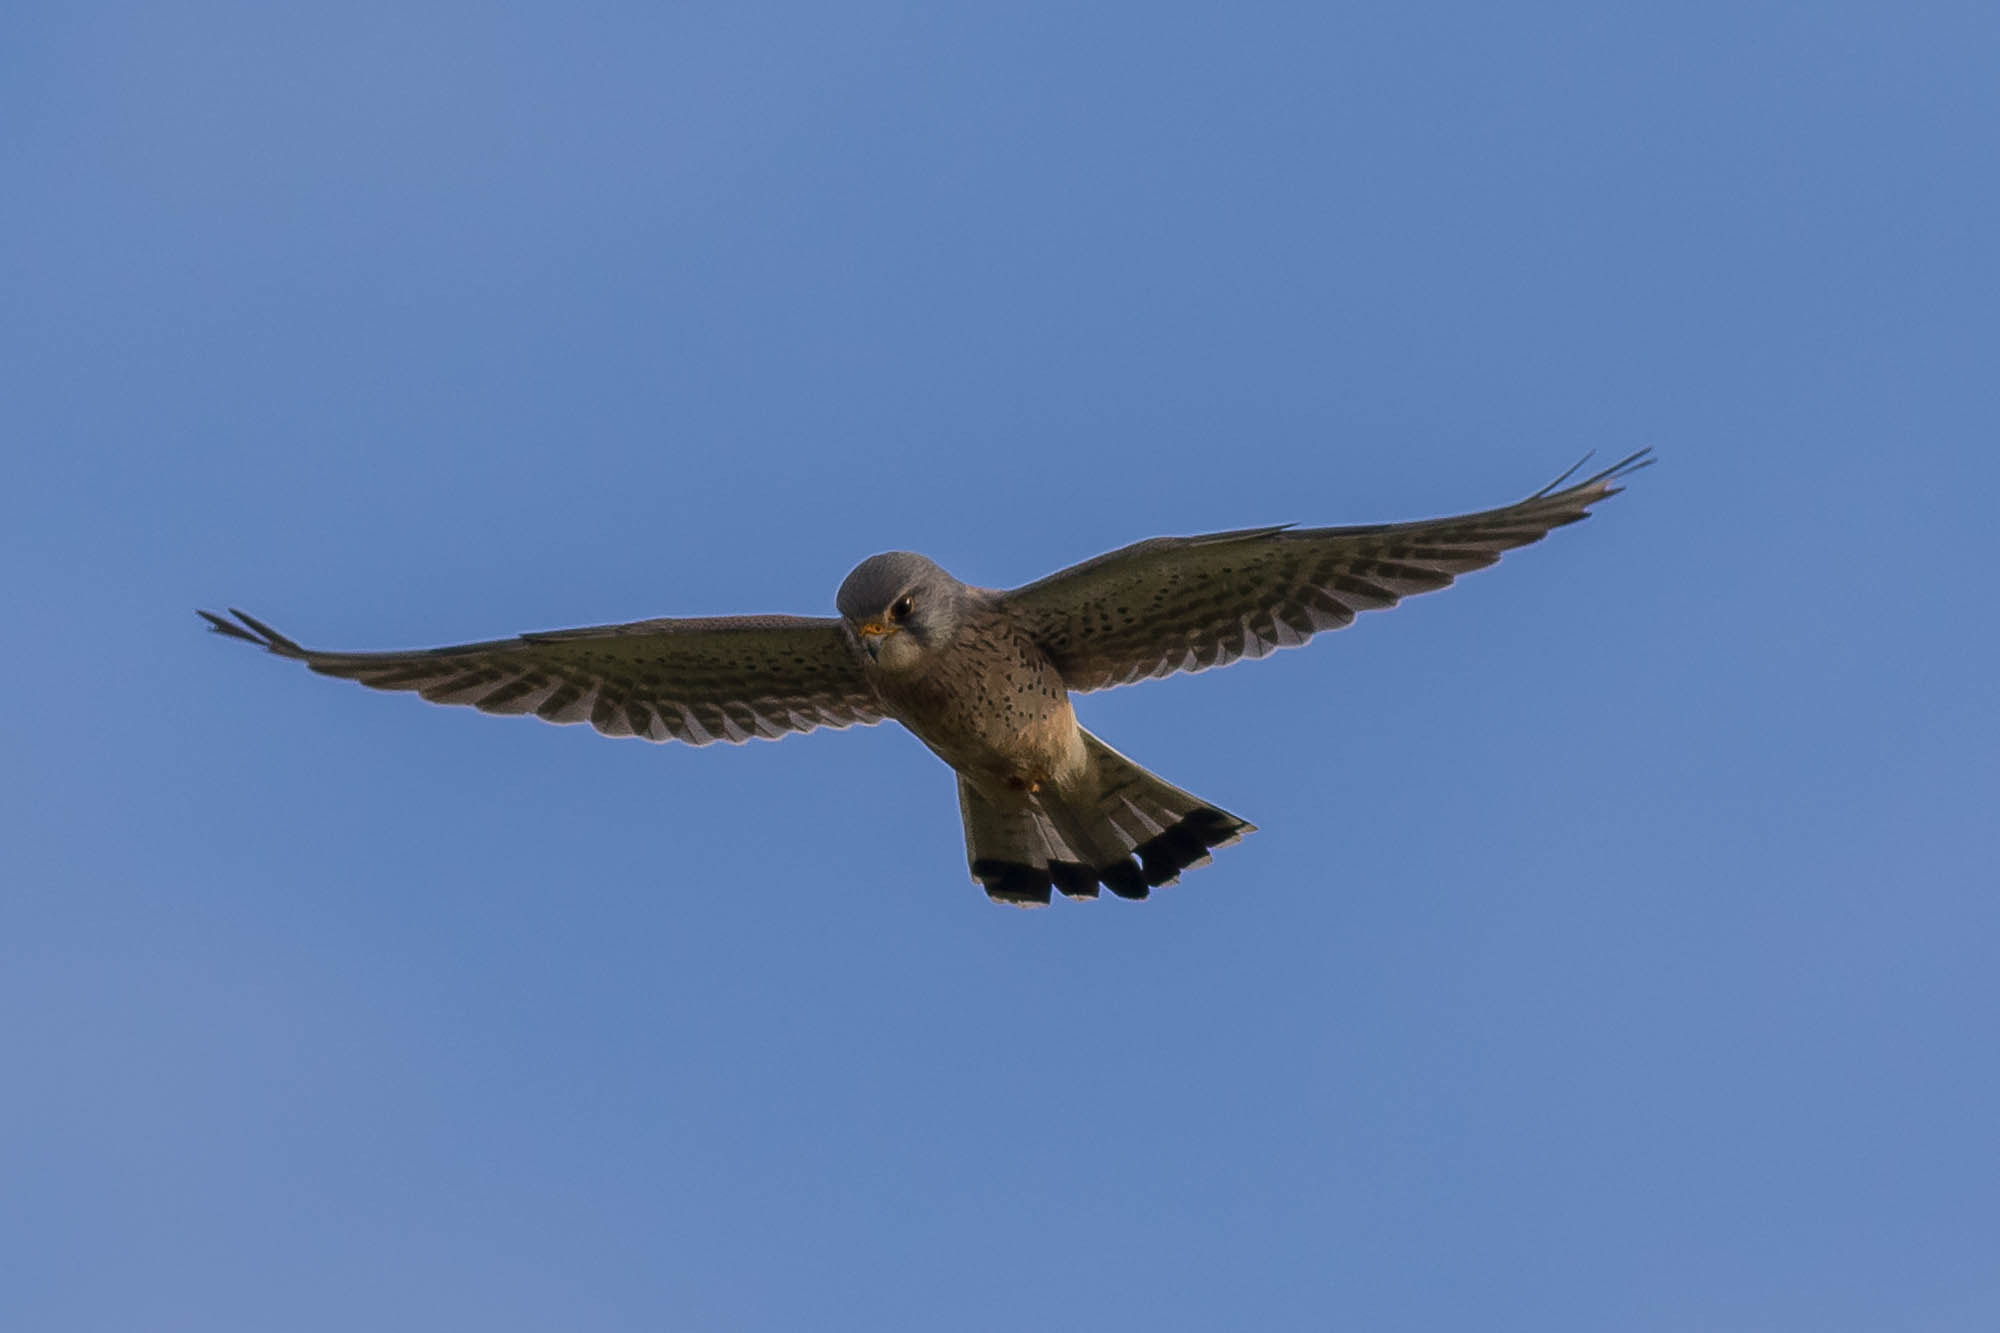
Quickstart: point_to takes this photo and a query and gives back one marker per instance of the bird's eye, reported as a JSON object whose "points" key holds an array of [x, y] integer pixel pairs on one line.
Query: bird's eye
{"points": [[901, 610]]}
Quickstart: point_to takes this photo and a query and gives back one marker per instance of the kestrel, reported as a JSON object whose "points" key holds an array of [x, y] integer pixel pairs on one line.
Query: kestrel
{"points": [[984, 677]]}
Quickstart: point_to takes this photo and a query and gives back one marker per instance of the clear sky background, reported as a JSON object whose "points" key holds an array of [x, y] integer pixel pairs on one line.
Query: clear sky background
{"points": [[1619, 948]]}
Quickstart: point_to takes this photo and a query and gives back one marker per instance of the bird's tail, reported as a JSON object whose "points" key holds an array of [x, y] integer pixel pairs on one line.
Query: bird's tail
{"points": [[1127, 829]]}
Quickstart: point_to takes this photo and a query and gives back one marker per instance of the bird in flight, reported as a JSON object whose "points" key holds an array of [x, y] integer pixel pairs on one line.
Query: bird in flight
{"points": [[984, 677]]}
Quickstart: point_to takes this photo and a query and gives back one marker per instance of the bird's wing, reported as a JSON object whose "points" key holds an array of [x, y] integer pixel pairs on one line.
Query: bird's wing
{"points": [[698, 681], [1190, 603]]}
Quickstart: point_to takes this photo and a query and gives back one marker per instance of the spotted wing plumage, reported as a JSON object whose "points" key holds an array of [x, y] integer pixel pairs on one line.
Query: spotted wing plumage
{"points": [[1190, 603], [697, 681]]}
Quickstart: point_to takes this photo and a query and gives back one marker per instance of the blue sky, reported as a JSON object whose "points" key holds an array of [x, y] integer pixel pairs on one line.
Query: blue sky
{"points": [[1617, 950]]}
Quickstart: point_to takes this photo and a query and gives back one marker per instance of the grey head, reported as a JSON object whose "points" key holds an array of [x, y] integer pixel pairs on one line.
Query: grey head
{"points": [[900, 606]]}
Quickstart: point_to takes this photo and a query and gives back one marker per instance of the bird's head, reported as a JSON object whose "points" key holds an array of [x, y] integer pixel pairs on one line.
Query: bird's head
{"points": [[900, 607]]}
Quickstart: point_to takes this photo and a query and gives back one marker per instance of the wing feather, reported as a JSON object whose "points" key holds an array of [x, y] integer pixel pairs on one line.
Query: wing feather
{"points": [[1190, 603], [695, 680]]}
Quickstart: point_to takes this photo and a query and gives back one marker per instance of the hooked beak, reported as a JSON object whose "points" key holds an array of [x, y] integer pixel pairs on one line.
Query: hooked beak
{"points": [[872, 635]]}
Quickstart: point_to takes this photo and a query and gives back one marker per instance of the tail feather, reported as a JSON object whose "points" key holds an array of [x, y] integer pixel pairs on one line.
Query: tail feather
{"points": [[1128, 830]]}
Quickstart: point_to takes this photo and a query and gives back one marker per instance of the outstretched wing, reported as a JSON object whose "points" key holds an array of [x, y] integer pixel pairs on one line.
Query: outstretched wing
{"points": [[1190, 603], [698, 681]]}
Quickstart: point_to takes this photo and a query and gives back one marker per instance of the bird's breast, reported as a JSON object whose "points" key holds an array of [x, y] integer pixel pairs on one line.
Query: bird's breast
{"points": [[991, 705]]}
